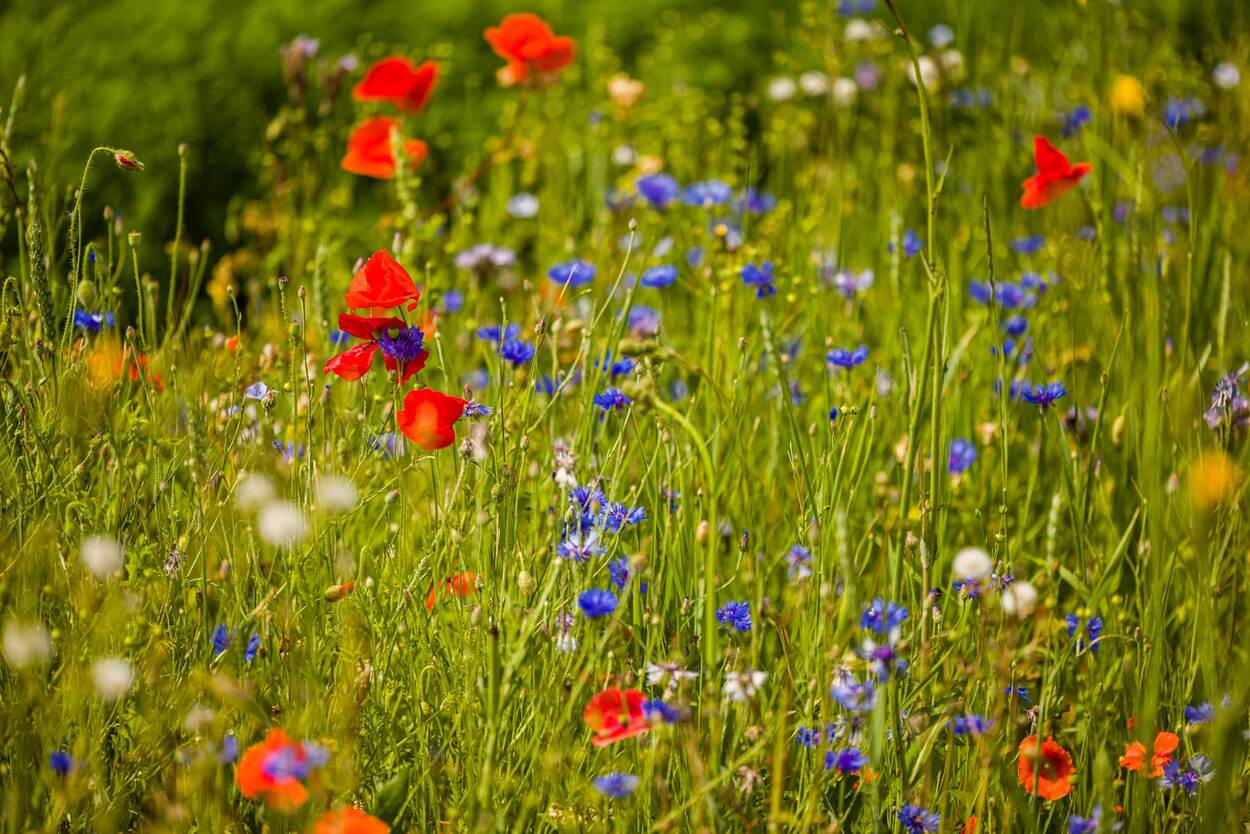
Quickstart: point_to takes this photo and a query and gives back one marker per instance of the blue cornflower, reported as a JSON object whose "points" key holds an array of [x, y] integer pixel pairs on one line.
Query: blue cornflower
{"points": [[808, 736], [1201, 714], [707, 194], [616, 785], [1085, 825], [289, 450], [617, 515], [912, 244], [1178, 111], [256, 391], [843, 358], [229, 749], [656, 709], [658, 189], [761, 278], [852, 695], [612, 398], [1005, 294], [850, 760], [1074, 120], [967, 588], [407, 345], [61, 763], [473, 408], [572, 273], [833, 414], [849, 8], [1198, 770], [494, 333], [962, 455], [735, 615], [1015, 326], [1028, 245], [917, 820], [643, 320], [453, 301], [253, 647], [756, 202], [882, 617], [971, 724], [92, 322], [618, 572], [621, 366], [799, 560], [941, 36], [1021, 692], [664, 275], [517, 351], [1094, 627], [1045, 394], [339, 337], [222, 638], [597, 602], [580, 546]]}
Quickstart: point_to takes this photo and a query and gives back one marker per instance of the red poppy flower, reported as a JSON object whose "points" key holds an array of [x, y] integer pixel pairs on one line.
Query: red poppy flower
{"points": [[381, 282], [527, 43], [970, 827], [428, 417], [396, 80], [1048, 769], [460, 585], [370, 152], [402, 347], [275, 769], [1134, 757], [614, 714], [349, 821], [1055, 175]]}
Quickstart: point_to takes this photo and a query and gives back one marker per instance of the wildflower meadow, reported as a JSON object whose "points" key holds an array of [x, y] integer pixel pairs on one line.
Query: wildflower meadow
{"points": [[758, 417]]}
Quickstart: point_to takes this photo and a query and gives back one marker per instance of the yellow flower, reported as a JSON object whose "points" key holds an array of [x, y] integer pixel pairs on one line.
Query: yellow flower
{"points": [[1213, 480], [1128, 97]]}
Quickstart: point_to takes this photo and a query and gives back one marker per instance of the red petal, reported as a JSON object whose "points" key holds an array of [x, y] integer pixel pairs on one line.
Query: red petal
{"points": [[1048, 158], [381, 282], [352, 363], [428, 416], [364, 327]]}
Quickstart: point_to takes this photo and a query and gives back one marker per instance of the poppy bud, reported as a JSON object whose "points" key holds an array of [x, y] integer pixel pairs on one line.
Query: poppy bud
{"points": [[127, 161], [87, 295], [334, 593], [525, 583]]}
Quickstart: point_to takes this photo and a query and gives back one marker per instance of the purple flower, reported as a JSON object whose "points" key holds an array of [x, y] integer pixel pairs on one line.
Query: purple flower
{"points": [[962, 455], [657, 189], [597, 602], [847, 359], [761, 278], [574, 273], [1044, 395], [659, 276], [616, 785]]}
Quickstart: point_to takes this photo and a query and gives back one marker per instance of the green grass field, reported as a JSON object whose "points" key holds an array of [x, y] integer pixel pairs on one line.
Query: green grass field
{"points": [[760, 441]]}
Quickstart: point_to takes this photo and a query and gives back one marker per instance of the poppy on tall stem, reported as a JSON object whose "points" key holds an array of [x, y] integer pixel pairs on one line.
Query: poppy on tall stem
{"points": [[529, 46], [397, 81], [428, 418], [1134, 757], [1045, 771], [615, 714], [1055, 175], [371, 149], [276, 769]]}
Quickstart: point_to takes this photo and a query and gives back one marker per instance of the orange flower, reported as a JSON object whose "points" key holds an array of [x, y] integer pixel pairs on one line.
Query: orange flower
{"points": [[349, 821], [428, 418], [1055, 175], [396, 80], [275, 770], [460, 585], [1049, 769], [1134, 757], [527, 43], [370, 152], [614, 714]]}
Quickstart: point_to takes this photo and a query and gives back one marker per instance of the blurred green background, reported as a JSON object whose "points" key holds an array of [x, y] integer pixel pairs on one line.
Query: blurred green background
{"points": [[150, 74]]}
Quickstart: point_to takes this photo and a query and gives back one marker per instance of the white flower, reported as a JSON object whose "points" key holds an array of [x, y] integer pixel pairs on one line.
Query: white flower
{"points": [[742, 686], [102, 555], [1018, 599], [972, 563], [952, 61], [282, 524], [199, 717], [928, 71], [782, 88], [941, 36], [1226, 75], [844, 91], [623, 155], [26, 644], [566, 642], [669, 674], [335, 494], [112, 676], [858, 29], [814, 83], [523, 205], [253, 492]]}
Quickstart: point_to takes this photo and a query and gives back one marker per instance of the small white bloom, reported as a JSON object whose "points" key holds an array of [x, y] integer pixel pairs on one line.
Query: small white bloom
{"points": [[1226, 75], [253, 492], [282, 524], [623, 155], [25, 645], [566, 642], [972, 563], [669, 674], [335, 494], [858, 29], [1018, 599], [782, 88], [941, 36], [102, 555], [928, 71], [952, 61], [523, 205], [845, 90], [743, 686], [814, 83], [112, 676]]}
